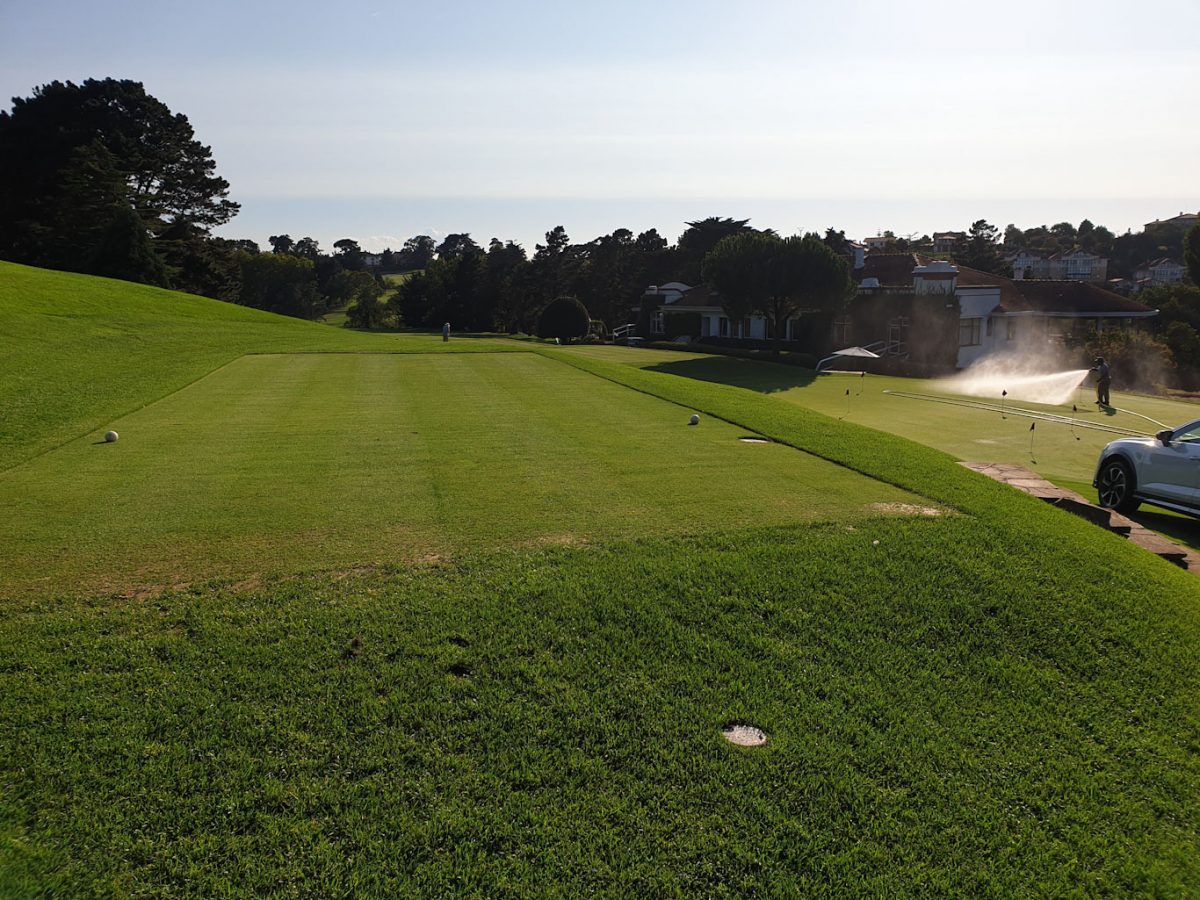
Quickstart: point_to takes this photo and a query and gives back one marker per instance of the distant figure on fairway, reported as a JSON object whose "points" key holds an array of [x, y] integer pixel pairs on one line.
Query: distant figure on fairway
{"points": [[446, 332], [1103, 380]]}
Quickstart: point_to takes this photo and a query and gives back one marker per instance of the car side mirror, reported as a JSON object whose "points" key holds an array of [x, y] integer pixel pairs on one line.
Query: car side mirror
{"points": [[1164, 437]]}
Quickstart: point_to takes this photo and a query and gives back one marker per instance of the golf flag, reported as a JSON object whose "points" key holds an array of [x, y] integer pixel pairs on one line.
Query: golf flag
{"points": [[1004, 393], [1032, 425]]}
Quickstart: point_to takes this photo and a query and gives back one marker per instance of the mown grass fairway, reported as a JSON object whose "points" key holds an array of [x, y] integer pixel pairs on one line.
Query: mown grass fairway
{"points": [[962, 432], [1001, 701], [1067, 456], [284, 463], [77, 351]]}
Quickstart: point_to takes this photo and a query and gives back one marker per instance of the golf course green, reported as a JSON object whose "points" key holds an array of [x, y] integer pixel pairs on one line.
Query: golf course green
{"points": [[346, 614]]}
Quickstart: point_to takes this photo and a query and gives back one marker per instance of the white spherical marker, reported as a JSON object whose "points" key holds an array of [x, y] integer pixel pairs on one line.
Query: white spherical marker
{"points": [[694, 420], [111, 436]]}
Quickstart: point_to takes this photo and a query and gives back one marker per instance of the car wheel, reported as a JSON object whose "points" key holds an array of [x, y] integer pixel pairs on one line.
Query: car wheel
{"points": [[1115, 486]]}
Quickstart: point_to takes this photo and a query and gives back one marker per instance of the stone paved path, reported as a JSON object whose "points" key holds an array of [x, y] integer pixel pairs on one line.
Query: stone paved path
{"points": [[1032, 483]]}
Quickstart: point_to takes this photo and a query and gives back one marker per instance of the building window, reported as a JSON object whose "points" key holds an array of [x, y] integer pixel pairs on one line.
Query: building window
{"points": [[659, 326], [990, 322], [723, 327], [705, 326], [968, 333], [1012, 329], [745, 328]]}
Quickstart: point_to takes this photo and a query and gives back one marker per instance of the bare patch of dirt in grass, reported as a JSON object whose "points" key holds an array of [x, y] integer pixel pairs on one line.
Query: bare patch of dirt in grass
{"points": [[908, 509]]}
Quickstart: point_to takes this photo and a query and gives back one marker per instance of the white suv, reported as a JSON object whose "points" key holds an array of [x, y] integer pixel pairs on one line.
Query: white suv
{"points": [[1163, 470]]}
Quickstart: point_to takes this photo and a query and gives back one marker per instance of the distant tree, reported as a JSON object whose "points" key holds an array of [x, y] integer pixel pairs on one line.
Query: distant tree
{"points": [[1191, 253], [700, 237], [500, 297], [777, 278], [279, 283], [244, 244], [650, 241], [1014, 237], [1065, 236], [363, 292], [458, 245], [564, 318], [169, 176], [836, 241], [982, 251], [447, 290], [281, 243], [308, 248], [200, 264], [124, 250], [417, 252], [349, 254]]}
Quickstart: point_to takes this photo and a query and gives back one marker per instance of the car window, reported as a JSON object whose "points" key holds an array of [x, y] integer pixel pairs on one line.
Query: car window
{"points": [[1190, 434]]}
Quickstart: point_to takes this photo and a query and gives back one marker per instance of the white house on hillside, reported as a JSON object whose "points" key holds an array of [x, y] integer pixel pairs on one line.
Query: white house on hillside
{"points": [[998, 314]]}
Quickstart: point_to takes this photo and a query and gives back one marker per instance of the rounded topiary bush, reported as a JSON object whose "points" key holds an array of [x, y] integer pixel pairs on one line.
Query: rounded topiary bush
{"points": [[565, 318]]}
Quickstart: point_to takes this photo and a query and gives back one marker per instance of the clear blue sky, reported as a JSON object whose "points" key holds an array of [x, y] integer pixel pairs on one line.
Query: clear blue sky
{"points": [[378, 121]]}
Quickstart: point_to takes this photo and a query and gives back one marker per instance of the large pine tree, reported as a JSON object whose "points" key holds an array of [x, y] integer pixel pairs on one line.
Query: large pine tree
{"points": [[57, 140]]}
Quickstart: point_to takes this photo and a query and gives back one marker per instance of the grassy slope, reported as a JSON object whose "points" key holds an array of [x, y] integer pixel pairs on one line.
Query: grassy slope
{"points": [[77, 351], [1001, 702]]}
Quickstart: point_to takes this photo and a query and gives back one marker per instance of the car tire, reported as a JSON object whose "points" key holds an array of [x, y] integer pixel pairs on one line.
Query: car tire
{"points": [[1116, 485]]}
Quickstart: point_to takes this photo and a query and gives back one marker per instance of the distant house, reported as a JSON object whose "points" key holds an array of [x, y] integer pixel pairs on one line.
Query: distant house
{"points": [[878, 242], [372, 260], [701, 307], [994, 313], [1159, 271], [1004, 314], [1075, 265], [949, 241], [1183, 222]]}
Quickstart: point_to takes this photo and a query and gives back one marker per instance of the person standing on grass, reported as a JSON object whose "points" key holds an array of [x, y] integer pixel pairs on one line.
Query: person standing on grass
{"points": [[446, 332], [1103, 380]]}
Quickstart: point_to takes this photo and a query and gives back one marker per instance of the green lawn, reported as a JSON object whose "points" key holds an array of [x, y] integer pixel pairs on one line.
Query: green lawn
{"points": [[78, 352], [1065, 455], [285, 463], [473, 624]]}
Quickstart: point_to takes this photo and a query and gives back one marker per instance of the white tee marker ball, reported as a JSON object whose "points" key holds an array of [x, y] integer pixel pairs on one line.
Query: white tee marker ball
{"points": [[694, 420], [111, 436]]}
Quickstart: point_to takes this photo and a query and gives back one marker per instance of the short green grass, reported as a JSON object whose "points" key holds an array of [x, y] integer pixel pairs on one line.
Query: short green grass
{"points": [[1000, 701], [78, 352], [947, 715], [965, 433], [1064, 455], [283, 463]]}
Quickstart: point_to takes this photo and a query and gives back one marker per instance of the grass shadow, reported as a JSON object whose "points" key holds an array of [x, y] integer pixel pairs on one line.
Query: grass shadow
{"points": [[756, 375]]}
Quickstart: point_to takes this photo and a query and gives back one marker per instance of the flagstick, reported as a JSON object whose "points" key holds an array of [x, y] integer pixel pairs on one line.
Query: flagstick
{"points": [[1003, 395], [1032, 432]]}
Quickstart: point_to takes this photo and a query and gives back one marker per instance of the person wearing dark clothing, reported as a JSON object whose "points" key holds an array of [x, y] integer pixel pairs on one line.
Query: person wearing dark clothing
{"points": [[1103, 380]]}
